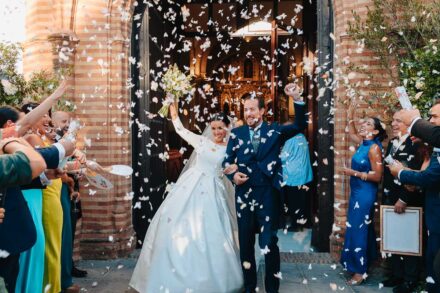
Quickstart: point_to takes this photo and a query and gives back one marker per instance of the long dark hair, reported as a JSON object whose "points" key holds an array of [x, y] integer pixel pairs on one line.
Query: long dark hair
{"points": [[382, 135]]}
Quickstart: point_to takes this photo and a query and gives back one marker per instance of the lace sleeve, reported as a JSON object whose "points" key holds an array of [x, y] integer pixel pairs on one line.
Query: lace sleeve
{"points": [[193, 139]]}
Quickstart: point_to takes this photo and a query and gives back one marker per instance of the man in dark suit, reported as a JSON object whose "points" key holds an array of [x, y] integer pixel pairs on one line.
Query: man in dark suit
{"points": [[254, 150], [405, 269], [17, 232], [430, 180], [418, 127]]}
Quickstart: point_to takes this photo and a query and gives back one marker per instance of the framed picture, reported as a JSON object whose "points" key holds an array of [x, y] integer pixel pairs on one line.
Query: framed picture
{"points": [[401, 233]]}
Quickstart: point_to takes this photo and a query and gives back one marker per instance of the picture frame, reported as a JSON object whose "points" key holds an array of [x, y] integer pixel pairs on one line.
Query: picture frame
{"points": [[401, 233]]}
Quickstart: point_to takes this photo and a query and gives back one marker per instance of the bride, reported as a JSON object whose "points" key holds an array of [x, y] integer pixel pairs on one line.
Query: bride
{"points": [[190, 244]]}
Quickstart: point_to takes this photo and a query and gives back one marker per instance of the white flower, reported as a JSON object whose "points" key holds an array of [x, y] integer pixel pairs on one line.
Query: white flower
{"points": [[185, 13], [205, 45], [9, 88], [154, 86], [420, 85]]}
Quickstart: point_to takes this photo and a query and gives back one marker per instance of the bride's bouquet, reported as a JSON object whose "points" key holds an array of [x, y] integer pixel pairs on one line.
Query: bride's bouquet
{"points": [[176, 84]]}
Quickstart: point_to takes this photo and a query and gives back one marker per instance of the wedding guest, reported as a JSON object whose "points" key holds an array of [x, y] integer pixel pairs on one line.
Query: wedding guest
{"points": [[13, 125], [51, 207], [18, 232], [61, 121], [420, 128], [413, 154], [294, 153], [430, 180], [365, 175]]}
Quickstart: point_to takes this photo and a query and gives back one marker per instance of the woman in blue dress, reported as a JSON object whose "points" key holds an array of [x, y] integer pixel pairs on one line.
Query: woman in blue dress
{"points": [[365, 175]]}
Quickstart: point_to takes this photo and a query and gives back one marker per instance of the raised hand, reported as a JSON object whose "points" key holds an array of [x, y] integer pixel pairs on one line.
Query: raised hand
{"points": [[292, 90], [351, 110], [173, 111], [60, 90]]}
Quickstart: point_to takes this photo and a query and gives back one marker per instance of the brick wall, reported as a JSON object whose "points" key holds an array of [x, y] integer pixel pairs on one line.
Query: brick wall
{"points": [[100, 34]]}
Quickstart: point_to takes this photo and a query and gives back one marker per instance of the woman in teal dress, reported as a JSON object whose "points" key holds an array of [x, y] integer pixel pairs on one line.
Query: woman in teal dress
{"points": [[31, 270], [365, 175]]}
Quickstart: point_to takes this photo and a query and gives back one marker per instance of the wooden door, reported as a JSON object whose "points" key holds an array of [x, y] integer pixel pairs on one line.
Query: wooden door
{"points": [[149, 134]]}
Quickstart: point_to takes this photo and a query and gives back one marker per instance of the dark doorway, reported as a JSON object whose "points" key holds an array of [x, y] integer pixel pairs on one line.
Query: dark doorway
{"points": [[149, 134], [225, 67]]}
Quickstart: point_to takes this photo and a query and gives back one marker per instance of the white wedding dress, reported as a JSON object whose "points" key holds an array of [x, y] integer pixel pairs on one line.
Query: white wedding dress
{"points": [[190, 244]]}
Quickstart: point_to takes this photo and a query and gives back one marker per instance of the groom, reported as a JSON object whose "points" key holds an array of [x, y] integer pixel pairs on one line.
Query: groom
{"points": [[254, 151]]}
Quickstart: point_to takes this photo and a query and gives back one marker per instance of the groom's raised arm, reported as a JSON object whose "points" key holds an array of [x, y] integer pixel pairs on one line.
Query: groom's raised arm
{"points": [[230, 156], [300, 123]]}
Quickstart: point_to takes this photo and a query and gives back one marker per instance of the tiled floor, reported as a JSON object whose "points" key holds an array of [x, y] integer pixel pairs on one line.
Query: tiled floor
{"points": [[302, 271]]}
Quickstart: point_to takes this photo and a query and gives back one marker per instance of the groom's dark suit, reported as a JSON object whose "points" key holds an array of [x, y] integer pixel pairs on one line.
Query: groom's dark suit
{"points": [[257, 200]]}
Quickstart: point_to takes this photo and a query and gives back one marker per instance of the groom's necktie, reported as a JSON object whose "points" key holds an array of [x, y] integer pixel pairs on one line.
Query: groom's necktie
{"points": [[255, 138]]}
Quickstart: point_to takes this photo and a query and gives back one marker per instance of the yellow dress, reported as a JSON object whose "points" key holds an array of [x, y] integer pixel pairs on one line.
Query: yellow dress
{"points": [[53, 227]]}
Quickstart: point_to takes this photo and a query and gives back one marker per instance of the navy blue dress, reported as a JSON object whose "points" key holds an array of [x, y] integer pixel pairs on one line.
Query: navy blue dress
{"points": [[360, 243]]}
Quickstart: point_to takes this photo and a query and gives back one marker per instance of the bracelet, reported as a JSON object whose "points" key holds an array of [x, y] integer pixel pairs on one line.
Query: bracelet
{"points": [[4, 146]]}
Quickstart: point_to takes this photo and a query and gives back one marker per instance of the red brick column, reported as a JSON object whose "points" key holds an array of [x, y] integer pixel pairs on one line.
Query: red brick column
{"points": [[347, 53], [100, 73]]}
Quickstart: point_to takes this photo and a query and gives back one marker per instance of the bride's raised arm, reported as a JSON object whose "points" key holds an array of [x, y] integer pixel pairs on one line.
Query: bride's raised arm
{"points": [[193, 139]]}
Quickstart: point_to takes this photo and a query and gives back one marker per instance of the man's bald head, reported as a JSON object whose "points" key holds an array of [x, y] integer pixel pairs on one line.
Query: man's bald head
{"points": [[61, 120]]}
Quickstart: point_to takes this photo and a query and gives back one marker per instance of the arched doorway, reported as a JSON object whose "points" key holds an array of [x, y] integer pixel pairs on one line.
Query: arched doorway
{"points": [[202, 44]]}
